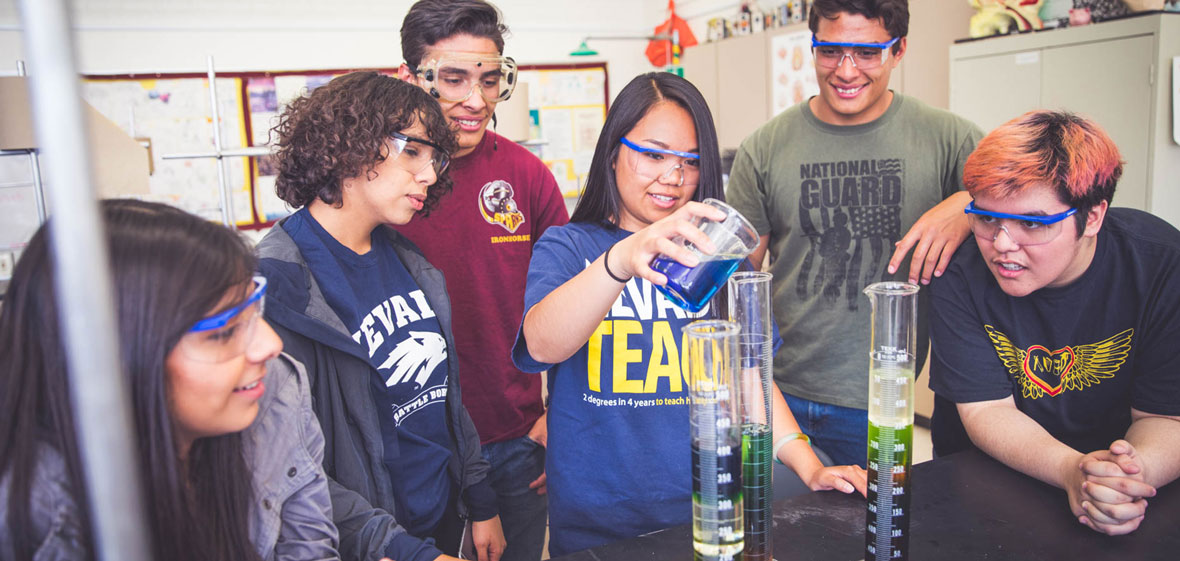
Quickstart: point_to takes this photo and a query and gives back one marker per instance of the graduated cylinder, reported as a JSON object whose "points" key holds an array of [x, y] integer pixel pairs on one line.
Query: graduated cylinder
{"points": [[891, 418], [749, 307], [715, 413]]}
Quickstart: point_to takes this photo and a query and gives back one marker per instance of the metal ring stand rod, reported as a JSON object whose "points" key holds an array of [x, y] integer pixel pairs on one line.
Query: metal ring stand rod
{"points": [[227, 216], [35, 167], [99, 393]]}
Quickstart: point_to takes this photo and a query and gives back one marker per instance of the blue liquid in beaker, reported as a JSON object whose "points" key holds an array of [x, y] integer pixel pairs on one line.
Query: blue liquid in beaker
{"points": [[692, 287]]}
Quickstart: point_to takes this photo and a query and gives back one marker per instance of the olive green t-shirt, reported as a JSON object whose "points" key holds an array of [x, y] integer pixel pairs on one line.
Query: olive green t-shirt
{"points": [[834, 200]]}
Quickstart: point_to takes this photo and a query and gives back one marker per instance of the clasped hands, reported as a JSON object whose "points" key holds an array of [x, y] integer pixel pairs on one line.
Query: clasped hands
{"points": [[1108, 490]]}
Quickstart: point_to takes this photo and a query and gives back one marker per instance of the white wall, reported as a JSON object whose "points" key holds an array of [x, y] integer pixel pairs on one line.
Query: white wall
{"points": [[138, 36]]}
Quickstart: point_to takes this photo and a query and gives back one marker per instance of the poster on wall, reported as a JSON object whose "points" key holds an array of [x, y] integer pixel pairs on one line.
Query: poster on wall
{"points": [[792, 70], [268, 95], [572, 109], [174, 114]]}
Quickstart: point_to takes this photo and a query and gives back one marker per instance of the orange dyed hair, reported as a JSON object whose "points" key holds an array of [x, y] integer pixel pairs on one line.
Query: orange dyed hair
{"points": [[1072, 154]]}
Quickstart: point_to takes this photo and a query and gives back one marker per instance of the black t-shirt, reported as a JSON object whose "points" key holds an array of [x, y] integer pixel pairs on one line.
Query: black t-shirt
{"points": [[1075, 358]]}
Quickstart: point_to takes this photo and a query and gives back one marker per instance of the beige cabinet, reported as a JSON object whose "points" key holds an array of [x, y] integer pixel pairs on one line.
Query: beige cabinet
{"points": [[734, 76], [1117, 73]]}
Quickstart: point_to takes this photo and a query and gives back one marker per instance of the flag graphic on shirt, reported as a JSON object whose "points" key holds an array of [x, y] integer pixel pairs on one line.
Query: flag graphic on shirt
{"points": [[1039, 371], [850, 211]]}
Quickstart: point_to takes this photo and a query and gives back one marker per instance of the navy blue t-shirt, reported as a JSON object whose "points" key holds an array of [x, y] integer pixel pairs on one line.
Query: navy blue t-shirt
{"points": [[389, 316]]}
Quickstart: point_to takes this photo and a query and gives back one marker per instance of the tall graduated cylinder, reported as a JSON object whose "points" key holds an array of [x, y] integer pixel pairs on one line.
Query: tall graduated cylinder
{"points": [[749, 307], [891, 418], [715, 413]]}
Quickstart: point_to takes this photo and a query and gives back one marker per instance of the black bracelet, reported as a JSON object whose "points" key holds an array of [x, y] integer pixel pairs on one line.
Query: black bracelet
{"points": [[606, 265]]}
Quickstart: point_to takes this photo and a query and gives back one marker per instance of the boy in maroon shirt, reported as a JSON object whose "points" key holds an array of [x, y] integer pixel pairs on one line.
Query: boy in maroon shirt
{"points": [[481, 237]]}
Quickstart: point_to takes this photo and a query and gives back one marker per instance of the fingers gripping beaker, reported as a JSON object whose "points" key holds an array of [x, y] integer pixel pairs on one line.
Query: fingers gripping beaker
{"points": [[715, 413], [692, 287], [749, 307], [891, 418]]}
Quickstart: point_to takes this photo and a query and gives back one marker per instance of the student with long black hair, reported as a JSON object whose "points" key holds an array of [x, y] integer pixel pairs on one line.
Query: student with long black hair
{"points": [[203, 367], [618, 454]]}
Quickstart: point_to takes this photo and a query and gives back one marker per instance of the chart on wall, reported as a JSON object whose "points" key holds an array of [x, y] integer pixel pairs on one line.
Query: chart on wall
{"points": [[792, 70], [570, 104], [174, 114]]}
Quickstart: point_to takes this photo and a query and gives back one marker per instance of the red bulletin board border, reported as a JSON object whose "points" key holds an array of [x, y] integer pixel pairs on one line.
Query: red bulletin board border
{"points": [[244, 77]]}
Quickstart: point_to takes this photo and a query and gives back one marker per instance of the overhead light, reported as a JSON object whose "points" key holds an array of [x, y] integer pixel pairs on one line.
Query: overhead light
{"points": [[584, 50]]}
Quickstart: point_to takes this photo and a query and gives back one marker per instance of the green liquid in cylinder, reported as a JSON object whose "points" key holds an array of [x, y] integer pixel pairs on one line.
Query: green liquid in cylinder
{"points": [[756, 491], [890, 445]]}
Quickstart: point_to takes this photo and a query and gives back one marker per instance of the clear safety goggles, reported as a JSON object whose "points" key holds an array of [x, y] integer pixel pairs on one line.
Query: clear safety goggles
{"points": [[455, 77], [414, 154], [1022, 229], [865, 56], [665, 166], [225, 335]]}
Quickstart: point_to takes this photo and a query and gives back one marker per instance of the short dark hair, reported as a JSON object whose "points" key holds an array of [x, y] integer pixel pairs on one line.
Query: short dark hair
{"points": [[600, 201], [894, 14], [169, 270], [341, 130], [431, 21], [1057, 148]]}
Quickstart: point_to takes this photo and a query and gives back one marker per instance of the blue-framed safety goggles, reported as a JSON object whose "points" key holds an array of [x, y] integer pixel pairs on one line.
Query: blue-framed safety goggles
{"points": [[223, 318], [651, 163], [647, 150], [865, 56], [1046, 220], [1027, 229]]}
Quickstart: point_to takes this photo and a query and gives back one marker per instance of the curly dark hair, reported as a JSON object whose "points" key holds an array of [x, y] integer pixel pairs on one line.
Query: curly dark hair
{"points": [[340, 131]]}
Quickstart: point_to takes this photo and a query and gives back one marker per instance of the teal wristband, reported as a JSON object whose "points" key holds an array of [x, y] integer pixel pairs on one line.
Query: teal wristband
{"points": [[778, 444]]}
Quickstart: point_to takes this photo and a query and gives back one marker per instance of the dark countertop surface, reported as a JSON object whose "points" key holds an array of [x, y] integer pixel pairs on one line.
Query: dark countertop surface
{"points": [[964, 506]]}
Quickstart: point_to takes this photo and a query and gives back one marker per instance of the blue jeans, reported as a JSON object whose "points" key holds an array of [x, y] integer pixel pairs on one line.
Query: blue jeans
{"points": [[842, 432], [523, 513]]}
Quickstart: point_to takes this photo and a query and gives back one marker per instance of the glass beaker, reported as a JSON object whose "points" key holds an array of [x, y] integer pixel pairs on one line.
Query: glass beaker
{"points": [[710, 350], [691, 287], [749, 308], [891, 418]]}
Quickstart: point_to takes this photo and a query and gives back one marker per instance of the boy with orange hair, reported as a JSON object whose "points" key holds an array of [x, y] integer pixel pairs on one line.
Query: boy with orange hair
{"points": [[1054, 332]]}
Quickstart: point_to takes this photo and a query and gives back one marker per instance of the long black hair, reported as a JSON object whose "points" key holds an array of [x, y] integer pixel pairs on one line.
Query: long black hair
{"points": [[600, 201], [170, 270]]}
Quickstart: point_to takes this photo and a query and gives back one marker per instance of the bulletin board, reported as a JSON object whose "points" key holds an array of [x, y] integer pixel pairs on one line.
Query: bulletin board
{"points": [[570, 102], [173, 111]]}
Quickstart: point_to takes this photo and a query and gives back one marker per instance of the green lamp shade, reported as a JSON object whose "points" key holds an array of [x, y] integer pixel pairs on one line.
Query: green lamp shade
{"points": [[584, 50]]}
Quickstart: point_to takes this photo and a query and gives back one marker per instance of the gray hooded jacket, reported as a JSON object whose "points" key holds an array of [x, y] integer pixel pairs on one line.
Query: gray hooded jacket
{"points": [[362, 493]]}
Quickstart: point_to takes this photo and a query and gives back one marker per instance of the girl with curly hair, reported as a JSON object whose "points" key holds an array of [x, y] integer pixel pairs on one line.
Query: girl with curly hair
{"points": [[370, 317]]}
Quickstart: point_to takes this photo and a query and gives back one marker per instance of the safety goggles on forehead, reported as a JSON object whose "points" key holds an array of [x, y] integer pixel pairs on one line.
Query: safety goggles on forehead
{"points": [[225, 335], [658, 164], [455, 77], [1022, 229], [865, 56], [414, 154]]}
